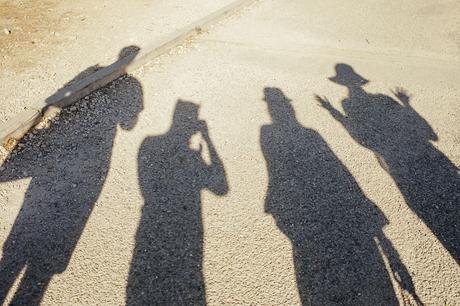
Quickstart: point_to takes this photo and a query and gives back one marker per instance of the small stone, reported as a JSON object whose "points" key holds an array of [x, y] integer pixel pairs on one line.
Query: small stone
{"points": [[7, 31], [74, 185]]}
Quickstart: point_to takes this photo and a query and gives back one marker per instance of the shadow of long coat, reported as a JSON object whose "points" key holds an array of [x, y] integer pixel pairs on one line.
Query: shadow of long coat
{"points": [[334, 229], [400, 139], [166, 267]]}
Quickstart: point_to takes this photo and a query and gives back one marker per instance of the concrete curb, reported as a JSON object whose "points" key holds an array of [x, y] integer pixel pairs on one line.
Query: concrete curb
{"points": [[13, 130]]}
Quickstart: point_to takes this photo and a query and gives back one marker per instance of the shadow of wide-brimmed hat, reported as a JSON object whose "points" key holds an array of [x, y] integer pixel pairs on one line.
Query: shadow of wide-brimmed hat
{"points": [[345, 75]]}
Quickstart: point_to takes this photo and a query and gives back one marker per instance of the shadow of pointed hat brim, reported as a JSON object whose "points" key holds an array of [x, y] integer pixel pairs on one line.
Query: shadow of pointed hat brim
{"points": [[354, 79]]}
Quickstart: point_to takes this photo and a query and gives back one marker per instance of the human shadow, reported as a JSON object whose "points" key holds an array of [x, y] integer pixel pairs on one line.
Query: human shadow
{"points": [[400, 139], [335, 231], [166, 267], [67, 164]]}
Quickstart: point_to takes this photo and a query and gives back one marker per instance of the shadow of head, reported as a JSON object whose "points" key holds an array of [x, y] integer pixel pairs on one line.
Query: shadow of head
{"points": [[345, 75], [129, 53], [279, 106], [131, 100], [185, 118], [125, 94]]}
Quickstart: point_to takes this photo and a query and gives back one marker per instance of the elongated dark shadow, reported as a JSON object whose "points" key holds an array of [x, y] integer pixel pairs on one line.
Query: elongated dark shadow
{"points": [[68, 164], [336, 232], [400, 139], [166, 268]]}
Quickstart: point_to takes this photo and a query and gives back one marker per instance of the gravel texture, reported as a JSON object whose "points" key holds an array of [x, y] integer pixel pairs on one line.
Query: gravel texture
{"points": [[52, 41], [259, 167]]}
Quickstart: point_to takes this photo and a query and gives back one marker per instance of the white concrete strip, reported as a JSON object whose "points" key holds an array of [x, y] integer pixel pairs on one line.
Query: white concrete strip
{"points": [[13, 130]]}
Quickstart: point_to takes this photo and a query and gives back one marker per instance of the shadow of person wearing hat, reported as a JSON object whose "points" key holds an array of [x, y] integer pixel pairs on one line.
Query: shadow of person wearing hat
{"points": [[335, 230], [67, 165], [166, 268], [401, 141]]}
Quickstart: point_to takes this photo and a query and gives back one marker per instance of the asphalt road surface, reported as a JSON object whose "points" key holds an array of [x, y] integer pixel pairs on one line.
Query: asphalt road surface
{"points": [[299, 153]]}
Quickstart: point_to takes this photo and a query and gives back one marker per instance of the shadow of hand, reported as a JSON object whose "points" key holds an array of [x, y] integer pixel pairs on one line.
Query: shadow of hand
{"points": [[402, 95], [324, 102]]}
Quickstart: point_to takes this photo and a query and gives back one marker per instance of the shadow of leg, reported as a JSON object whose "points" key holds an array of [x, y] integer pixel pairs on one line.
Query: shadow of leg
{"points": [[32, 287], [9, 271]]}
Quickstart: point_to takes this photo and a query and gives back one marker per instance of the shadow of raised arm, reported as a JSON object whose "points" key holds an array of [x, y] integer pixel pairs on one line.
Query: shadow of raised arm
{"points": [[326, 104], [217, 179]]}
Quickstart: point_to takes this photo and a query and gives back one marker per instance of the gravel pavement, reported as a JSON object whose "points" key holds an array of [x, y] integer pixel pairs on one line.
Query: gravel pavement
{"points": [[51, 41], [297, 154]]}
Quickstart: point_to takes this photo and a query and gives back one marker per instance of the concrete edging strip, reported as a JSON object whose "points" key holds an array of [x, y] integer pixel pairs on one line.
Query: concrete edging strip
{"points": [[14, 129]]}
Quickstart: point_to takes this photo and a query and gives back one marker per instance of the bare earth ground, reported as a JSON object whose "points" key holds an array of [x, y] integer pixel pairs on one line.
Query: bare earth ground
{"points": [[49, 42], [318, 164]]}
